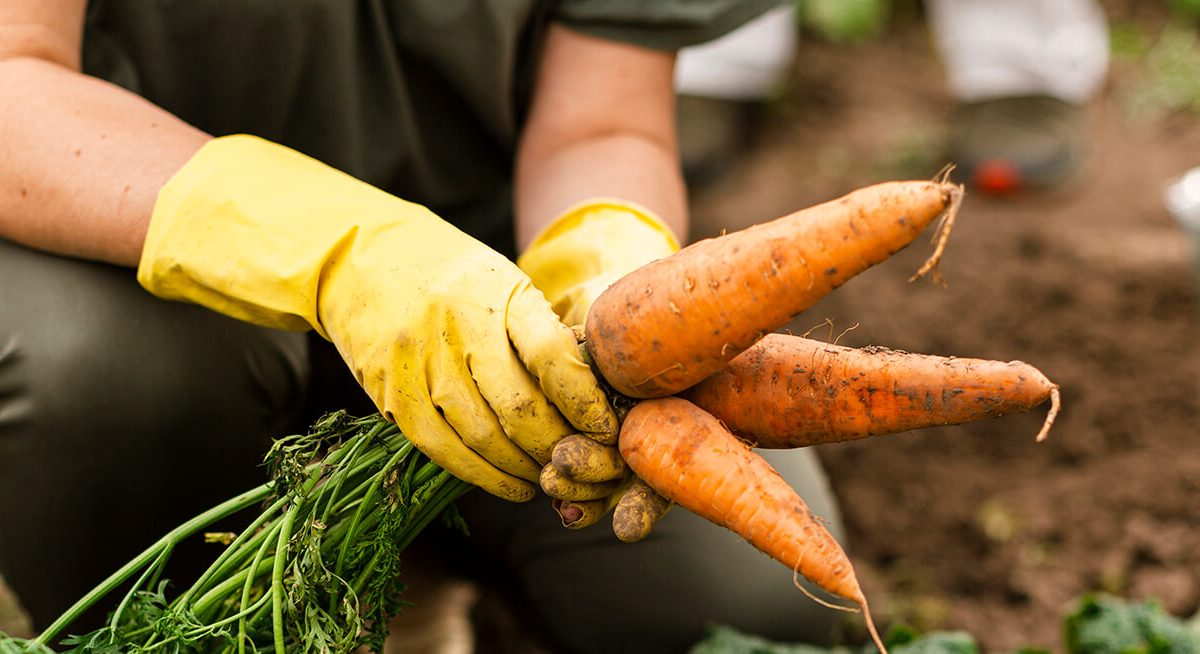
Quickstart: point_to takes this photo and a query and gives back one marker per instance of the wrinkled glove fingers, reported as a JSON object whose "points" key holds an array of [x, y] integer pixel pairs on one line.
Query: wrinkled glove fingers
{"points": [[525, 414], [549, 351], [577, 515], [581, 458], [431, 434], [463, 406]]}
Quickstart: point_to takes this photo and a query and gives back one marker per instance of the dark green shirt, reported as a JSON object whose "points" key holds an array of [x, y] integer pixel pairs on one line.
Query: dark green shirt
{"points": [[423, 98]]}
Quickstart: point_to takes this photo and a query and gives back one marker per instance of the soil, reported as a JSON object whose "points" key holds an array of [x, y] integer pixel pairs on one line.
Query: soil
{"points": [[977, 527]]}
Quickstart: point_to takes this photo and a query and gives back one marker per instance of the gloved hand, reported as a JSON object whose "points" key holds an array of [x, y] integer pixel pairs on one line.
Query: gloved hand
{"points": [[450, 339], [573, 261], [590, 246]]}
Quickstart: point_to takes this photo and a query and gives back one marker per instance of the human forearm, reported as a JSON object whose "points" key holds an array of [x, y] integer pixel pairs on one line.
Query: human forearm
{"points": [[602, 124], [82, 160], [628, 166]]}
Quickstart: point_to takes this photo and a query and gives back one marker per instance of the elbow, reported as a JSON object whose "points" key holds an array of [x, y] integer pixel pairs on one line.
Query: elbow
{"points": [[22, 76], [35, 43]]}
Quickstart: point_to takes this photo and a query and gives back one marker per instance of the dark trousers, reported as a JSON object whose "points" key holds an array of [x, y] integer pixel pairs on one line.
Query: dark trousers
{"points": [[122, 415]]}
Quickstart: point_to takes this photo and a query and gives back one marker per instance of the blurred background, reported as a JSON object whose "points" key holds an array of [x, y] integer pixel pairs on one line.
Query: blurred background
{"points": [[1070, 254], [1083, 267]]}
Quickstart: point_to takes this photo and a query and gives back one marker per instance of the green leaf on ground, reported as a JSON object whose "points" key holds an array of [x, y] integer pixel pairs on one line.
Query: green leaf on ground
{"points": [[1102, 624], [1099, 624], [899, 640]]}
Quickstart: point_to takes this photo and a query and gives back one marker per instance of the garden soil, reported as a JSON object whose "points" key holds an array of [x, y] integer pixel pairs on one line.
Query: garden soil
{"points": [[977, 527]]}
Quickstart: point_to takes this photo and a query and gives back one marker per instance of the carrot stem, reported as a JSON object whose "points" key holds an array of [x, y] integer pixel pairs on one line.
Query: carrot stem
{"points": [[278, 595], [149, 555]]}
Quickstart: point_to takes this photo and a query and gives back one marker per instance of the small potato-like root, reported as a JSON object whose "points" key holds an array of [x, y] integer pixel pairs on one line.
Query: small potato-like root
{"points": [[638, 511], [577, 515], [559, 487], [580, 458]]}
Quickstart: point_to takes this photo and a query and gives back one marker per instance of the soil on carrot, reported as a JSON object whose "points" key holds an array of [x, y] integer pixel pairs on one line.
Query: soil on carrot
{"points": [[978, 527]]}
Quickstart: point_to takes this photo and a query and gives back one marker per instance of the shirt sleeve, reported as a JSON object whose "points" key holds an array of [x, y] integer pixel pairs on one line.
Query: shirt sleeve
{"points": [[659, 24]]}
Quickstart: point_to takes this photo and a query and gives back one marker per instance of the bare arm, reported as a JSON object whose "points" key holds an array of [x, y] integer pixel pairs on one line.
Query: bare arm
{"points": [[81, 160], [602, 123]]}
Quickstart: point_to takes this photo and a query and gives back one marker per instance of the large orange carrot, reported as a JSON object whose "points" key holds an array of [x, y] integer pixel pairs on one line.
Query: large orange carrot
{"points": [[788, 391], [673, 322], [688, 457]]}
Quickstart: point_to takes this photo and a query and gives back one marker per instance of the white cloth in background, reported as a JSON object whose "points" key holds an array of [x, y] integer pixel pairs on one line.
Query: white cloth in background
{"points": [[998, 48], [749, 63], [989, 48]]}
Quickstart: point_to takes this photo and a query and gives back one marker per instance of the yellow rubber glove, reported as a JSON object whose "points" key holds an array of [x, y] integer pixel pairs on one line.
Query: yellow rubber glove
{"points": [[450, 339], [572, 261], [590, 246]]}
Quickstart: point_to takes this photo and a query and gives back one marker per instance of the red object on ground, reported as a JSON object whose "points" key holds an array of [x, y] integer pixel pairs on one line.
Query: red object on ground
{"points": [[997, 177]]}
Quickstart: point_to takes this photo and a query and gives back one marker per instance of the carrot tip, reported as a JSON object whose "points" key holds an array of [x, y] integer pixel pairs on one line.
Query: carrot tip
{"points": [[871, 627], [943, 175], [941, 235], [860, 607], [818, 600], [1055, 404]]}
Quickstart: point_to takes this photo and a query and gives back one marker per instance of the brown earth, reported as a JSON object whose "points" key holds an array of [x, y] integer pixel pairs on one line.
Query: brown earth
{"points": [[977, 527]]}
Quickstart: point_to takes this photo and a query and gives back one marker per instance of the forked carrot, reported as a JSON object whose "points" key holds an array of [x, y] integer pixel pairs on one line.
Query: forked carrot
{"points": [[675, 321], [789, 391], [688, 457]]}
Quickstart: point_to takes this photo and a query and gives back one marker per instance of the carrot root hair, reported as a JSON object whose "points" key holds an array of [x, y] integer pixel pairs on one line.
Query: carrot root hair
{"points": [[943, 175], [859, 607], [871, 627], [941, 234], [823, 602], [1055, 405]]}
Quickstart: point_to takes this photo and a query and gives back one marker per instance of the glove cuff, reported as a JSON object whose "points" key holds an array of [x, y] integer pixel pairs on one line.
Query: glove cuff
{"points": [[252, 229], [588, 247]]}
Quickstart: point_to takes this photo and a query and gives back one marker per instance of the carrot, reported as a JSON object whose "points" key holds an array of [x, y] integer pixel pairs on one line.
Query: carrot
{"points": [[788, 391], [688, 457], [675, 321]]}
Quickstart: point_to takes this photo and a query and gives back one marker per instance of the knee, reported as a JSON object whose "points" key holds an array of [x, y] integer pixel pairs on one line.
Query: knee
{"points": [[86, 339], [712, 577], [594, 594]]}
